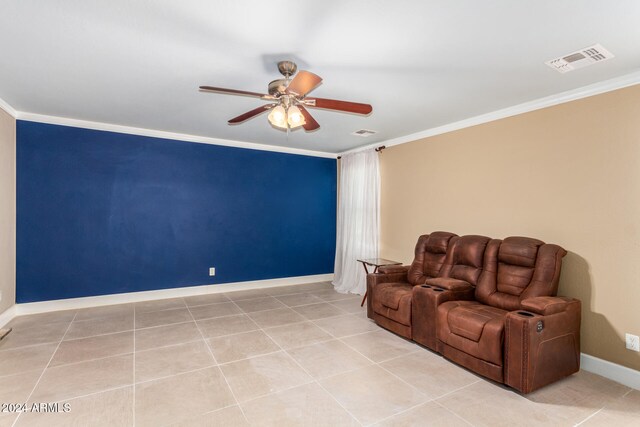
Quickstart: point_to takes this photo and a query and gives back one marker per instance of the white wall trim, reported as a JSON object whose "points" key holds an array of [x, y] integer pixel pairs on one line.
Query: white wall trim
{"points": [[100, 300], [7, 315], [613, 371], [41, 118], [8, 108], [549, 101]]}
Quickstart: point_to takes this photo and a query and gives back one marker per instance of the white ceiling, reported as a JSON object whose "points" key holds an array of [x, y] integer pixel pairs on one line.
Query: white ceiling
{"points": [[421, 64]]}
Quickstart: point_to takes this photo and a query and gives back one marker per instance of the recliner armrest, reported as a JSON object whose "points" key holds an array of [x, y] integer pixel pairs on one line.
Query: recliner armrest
{"points": [[546, 306], [386, 269], [449, 284], [541, 344], [374, 279]]}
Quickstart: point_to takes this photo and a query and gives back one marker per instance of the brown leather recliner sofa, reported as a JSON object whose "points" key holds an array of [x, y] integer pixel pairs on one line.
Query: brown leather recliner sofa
{"points": [[492, 308]]}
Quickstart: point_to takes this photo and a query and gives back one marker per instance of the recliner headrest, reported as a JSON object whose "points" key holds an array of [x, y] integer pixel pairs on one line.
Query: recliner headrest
{"points": [[469, 250], [438, 241], [521, 251]]}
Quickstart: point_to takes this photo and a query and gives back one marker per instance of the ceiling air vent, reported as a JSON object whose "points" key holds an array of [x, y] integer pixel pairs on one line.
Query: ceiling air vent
{"points": [[582, 58], [363, 132]]}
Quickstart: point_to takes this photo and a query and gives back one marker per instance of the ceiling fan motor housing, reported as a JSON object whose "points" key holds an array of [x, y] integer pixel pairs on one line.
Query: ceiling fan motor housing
{"points": [[287, 68], [278, 87]]}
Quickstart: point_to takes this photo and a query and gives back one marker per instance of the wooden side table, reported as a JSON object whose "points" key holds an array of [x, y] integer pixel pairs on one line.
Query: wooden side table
{"points": [[376, 263]]}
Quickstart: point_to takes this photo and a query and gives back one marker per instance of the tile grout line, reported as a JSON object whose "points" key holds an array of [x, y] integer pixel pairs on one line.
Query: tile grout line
{"points": [[206, 343], [603, 407], [309, 374], [455, 414], [344, 336], [92, 360], [455, 390], [174, 375], [399, 413], [214, 411], [45, 368], [25, 346], [627, 393], [120, 387], [588, 418]]}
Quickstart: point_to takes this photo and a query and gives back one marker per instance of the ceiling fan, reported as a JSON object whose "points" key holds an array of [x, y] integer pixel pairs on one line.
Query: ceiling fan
{"points": [[289, 100]]}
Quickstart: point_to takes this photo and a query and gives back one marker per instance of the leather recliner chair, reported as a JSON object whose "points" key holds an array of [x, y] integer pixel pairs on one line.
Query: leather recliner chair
{"points": [[459, 275], [390, 290], [510, 327]]}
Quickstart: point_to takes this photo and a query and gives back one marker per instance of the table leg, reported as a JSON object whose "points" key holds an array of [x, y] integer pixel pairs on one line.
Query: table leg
{"points": [[366, 291]]}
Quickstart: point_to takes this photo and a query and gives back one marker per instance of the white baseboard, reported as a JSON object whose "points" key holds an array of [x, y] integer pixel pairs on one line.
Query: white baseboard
{"points": [[613, 371], [7, 315], [75, 303]]}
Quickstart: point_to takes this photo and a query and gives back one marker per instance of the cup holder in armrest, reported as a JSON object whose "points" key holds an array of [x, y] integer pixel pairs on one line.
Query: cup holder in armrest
{"points": [[438, 290], [425, 286], [524, 313]]}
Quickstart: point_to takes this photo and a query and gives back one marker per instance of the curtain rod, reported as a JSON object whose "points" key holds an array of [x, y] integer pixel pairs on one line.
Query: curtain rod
{"points": [[379, 149]]}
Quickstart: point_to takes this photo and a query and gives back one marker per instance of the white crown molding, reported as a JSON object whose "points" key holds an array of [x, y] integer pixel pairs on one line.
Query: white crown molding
{"points": [[42, 118], [613, 371], [100, 300], [549, 101], [8, 108]]}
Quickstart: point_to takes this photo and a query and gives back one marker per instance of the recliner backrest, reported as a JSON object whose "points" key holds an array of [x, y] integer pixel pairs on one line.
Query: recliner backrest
{"points": [[518, 268], [430, 254], [465, 259]]}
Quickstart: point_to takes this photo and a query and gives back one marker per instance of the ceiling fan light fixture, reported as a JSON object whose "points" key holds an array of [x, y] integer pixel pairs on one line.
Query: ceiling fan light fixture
{"points": [[278, 117], [295, 117], [289, 102]]}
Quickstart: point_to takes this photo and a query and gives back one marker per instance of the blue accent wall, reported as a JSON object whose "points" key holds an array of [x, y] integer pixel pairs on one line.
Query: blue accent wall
{"points": [[102, 213]]}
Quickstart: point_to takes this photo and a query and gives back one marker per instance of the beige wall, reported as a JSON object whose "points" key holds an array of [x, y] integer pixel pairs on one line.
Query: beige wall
{"points": [[568, 174], [7, 210]]}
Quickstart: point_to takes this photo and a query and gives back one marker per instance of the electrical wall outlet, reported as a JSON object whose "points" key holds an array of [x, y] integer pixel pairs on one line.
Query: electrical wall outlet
{"points": [[633, 342], [212, 271]]}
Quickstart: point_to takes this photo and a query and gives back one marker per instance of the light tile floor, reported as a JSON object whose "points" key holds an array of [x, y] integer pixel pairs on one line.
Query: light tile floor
{"points": [[293, 355]]}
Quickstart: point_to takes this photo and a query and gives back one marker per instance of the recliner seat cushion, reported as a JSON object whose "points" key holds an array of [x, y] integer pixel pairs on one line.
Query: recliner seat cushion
{"points": [[393, 301], [473, 328]]}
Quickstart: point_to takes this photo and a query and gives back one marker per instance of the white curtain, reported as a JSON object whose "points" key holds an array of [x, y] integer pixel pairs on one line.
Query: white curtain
{"points": [[358, 219]]}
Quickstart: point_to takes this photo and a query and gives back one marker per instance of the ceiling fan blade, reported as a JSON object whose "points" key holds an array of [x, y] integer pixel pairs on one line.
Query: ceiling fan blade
{"points": [[251, 114], [311, 123], [333, 104], [303, 83], [232, 91]]}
